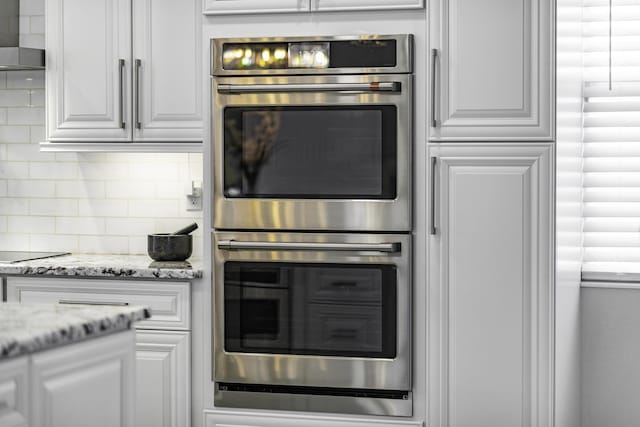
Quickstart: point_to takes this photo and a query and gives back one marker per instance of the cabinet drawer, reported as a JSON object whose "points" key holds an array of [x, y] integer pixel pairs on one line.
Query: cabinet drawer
{"points": [[169, 301], [14, 393]]}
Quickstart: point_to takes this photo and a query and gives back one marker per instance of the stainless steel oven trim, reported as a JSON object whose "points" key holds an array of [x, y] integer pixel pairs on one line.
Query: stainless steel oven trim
{"points": [[317, 214], [315, 403], [315, 371], [404, 62]]}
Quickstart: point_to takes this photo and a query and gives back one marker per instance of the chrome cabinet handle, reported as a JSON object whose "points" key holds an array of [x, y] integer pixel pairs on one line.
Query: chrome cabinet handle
{"points": [[311, 87], [138, 66], [434, 60], [121, 105], [302, 246], [432, 188], [110, 303]]}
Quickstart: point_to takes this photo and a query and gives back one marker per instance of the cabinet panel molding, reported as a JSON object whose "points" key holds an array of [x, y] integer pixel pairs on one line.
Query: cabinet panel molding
{"points": [[492, 292], [493, 73], [224, 7], [163, 373]]}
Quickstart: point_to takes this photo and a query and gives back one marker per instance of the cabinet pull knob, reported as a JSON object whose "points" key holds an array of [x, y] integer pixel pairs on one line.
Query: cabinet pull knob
{"points": [[121, 100], [138, 66], [434, 62]]}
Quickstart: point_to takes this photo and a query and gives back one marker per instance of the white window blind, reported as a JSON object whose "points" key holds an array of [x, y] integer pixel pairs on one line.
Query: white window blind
{"points": [[611, 132]]}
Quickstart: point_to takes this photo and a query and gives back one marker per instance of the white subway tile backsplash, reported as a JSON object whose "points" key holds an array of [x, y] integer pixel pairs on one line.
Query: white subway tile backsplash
{"points": [[14, 242], [23, 152], [80, 225], [138, 245], [153, 208], [80, 189], [53, 171], [14, 98], [14, 206], [36, 24], [31, 224], [14, 170], [37, 135], [31, 7], [3, 116], [3, 187], [103, 208], [30, 188], [122, 189], [103, 244], [36, 98], [53, 242], [3, 225], [25, 116], [35, 41], [53, 207], [25, 24], [14, 134], [129, 226], [104, 171], [25, 80], [3, 79]]}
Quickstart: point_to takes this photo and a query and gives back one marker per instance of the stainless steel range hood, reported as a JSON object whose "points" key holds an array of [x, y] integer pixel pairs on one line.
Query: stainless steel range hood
{"points": [[12, 56]]}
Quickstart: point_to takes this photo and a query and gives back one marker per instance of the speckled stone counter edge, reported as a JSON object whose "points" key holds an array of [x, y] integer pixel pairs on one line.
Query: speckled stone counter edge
{"points": [[93, 322], [114, 266]]}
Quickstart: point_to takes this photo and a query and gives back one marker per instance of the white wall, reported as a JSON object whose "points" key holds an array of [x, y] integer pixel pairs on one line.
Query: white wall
{"points": [[610, 355], [80, 202]]}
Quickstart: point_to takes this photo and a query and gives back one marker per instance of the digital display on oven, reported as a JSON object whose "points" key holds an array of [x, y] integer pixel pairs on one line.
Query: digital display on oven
{"points": [[254, 56]]}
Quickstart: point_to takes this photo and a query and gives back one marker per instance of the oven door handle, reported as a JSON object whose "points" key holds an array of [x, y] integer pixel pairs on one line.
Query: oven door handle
{"points": [[392, 247], [312, 87]]}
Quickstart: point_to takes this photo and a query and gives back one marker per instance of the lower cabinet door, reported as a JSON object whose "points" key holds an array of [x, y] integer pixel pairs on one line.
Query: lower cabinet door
{"points": [[491, 290], [90, 383], [14, 392], [163, 378]]}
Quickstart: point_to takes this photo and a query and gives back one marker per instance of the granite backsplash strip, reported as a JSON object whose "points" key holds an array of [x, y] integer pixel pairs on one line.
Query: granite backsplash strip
{"points": [[29, 328], [106, 266]]}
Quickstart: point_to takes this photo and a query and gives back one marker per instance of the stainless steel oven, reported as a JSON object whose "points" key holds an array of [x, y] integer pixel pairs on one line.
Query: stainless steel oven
{"points": [[315, 322], [312, 133]]}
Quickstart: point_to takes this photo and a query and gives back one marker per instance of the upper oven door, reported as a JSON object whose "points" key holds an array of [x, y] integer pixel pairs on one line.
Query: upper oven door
{"points": [[329, 153], [307, 309]]}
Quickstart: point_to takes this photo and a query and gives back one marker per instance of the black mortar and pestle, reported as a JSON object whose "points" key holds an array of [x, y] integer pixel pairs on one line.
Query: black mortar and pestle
{"points": [[175, 246]]}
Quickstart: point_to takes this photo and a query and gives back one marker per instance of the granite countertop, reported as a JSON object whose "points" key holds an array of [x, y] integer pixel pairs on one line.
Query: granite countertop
{"points": [[28, 328], [114, 266]]}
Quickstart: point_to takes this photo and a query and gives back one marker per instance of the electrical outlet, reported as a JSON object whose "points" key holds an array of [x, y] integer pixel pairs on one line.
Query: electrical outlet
{"points": [[194, 200]]}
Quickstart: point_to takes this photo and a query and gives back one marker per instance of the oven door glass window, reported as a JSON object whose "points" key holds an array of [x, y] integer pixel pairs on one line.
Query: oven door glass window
{"points": [[310, 152], [310, 309]]}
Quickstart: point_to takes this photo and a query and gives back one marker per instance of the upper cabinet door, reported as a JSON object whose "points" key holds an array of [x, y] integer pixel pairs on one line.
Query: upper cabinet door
{"points": [[88, 63], [223, 7], [492, 70], [321, 5], [167, 65]]}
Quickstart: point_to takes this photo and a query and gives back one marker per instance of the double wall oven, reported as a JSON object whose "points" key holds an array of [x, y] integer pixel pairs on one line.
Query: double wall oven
{"points": [[312, 169]]}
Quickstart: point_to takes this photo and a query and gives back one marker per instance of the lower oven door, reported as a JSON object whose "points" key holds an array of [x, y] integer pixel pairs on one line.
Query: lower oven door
{"points": [[313, 310]]}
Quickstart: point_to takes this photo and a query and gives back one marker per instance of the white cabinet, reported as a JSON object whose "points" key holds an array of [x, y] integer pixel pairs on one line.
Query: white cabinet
{"points": [[163, 342], [162, 374], [326, 5], [123, 71], [492, 70], [14, 392], [85, 384], [220, 7], [491, 294], [258, 419]]}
